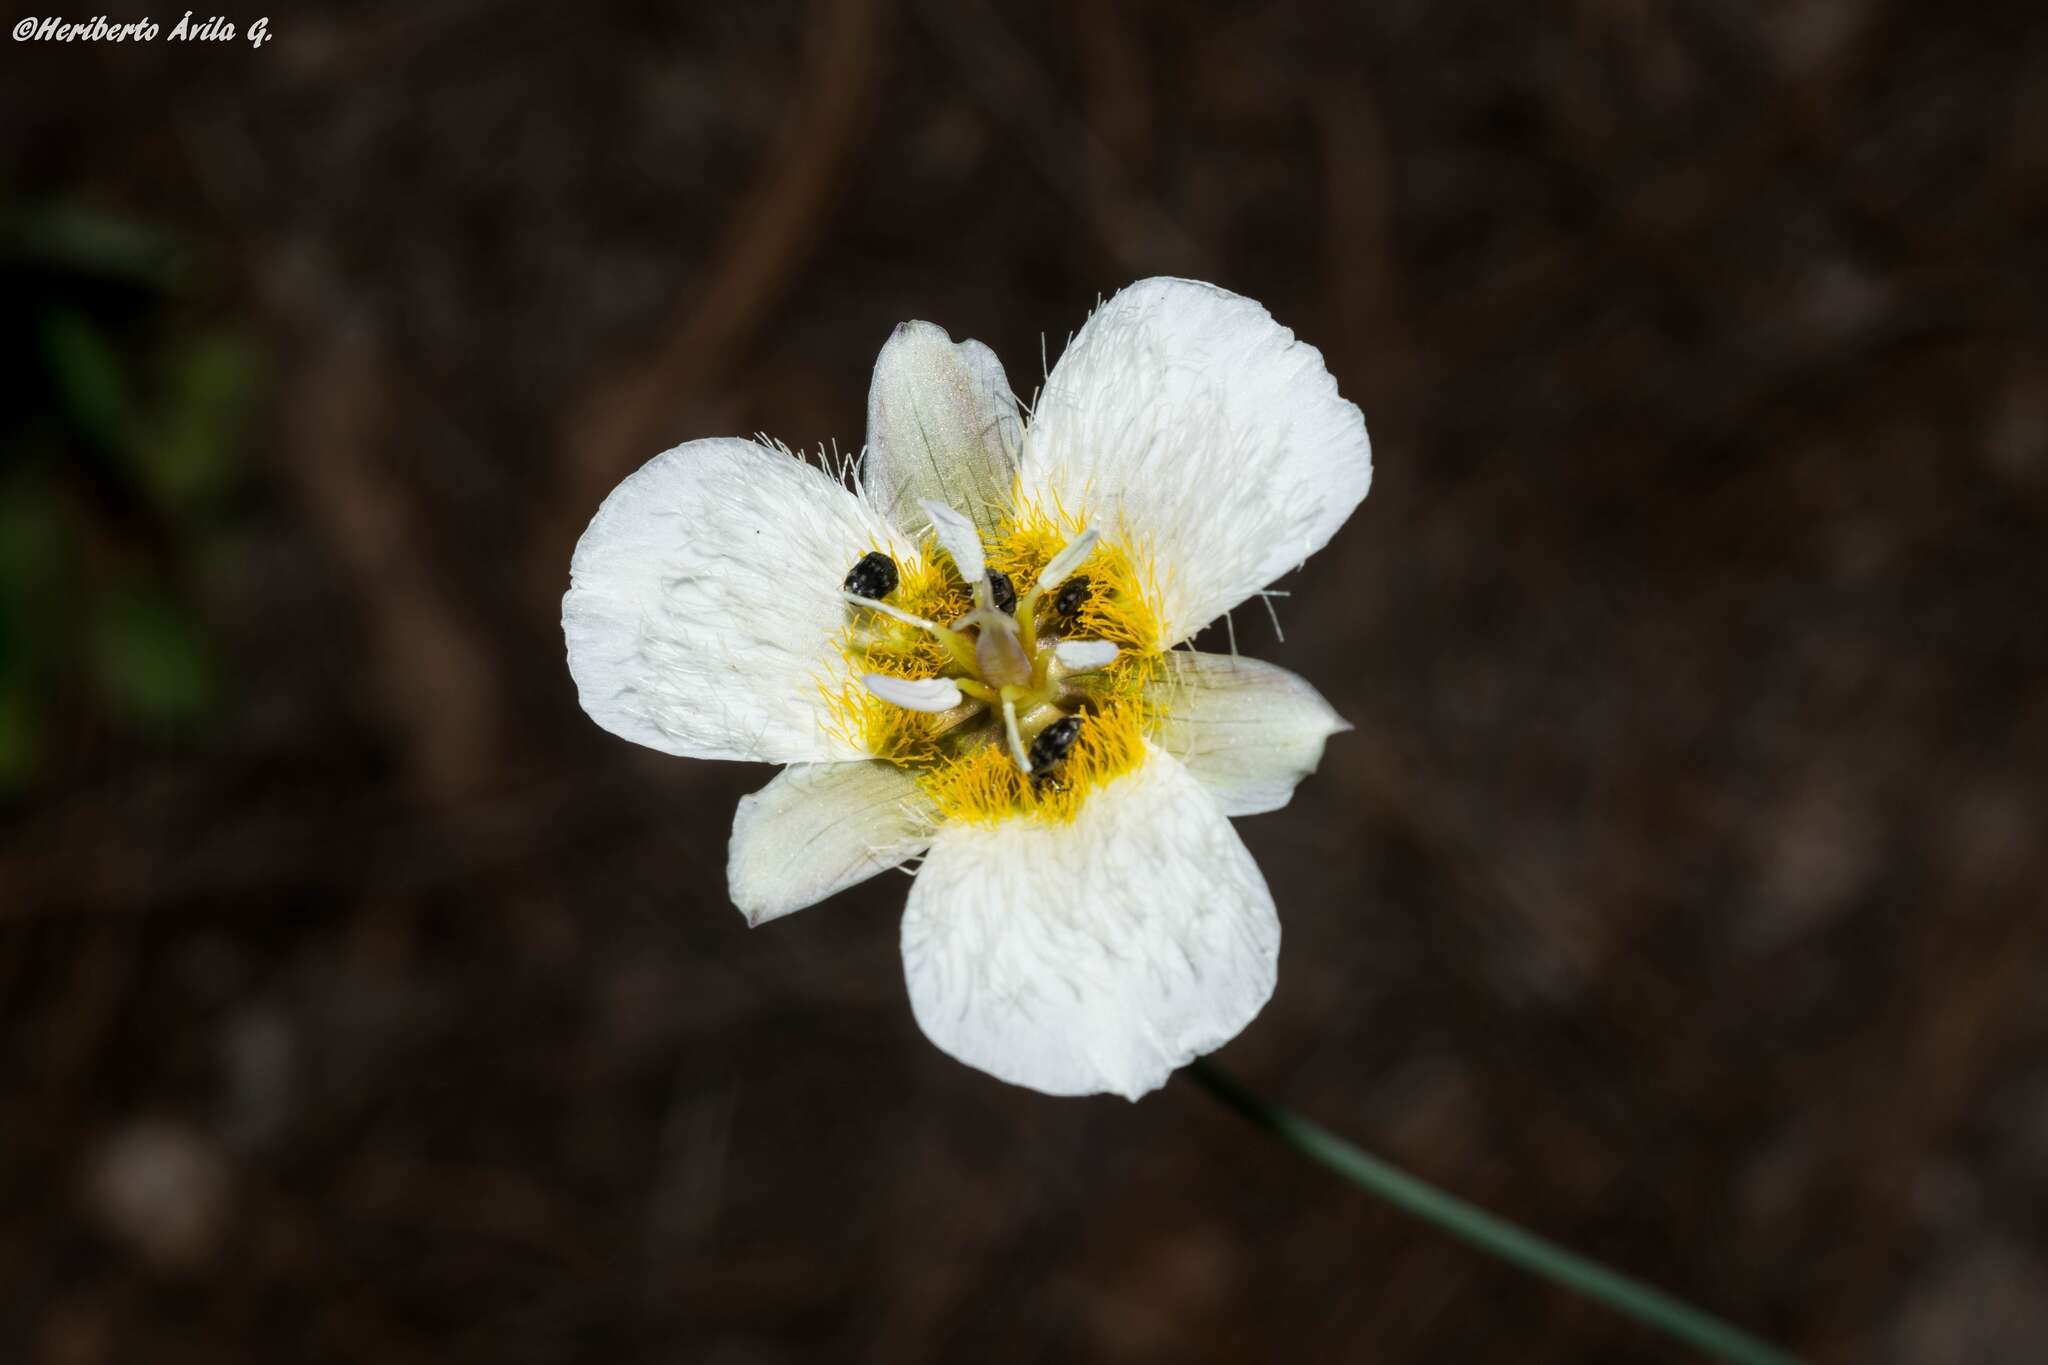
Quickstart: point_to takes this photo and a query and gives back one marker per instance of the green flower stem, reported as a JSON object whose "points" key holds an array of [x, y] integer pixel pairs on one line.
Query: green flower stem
{"points": [[1537, 1255]]}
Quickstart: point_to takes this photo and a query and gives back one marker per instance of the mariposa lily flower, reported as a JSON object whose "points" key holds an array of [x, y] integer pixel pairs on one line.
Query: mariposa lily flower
{"points": [[968, 656]]}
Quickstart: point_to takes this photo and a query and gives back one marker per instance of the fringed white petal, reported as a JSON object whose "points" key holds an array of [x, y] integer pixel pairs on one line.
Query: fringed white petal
{"points": [[1097, 956], [943, 426], [819, 828], [1247, 731], [1185, 419], [705, 607]]}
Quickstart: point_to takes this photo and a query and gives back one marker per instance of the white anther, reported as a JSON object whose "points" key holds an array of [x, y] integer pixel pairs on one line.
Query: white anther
{"points": [[883, 607], [914, 694], [1016, 740], [1085, 656], [961, 540], [1067, 560]]}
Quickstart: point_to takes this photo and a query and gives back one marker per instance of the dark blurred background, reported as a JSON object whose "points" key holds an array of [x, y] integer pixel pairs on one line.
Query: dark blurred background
{"points": [[1679, 893]]}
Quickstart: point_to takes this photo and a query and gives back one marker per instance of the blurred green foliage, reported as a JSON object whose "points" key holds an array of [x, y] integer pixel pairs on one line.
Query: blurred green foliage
{"points": [[120, 439]]}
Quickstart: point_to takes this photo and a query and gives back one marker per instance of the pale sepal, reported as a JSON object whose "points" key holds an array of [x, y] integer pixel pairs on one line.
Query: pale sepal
{"points": [[819, 828], [1248, 731], [943, 427]]}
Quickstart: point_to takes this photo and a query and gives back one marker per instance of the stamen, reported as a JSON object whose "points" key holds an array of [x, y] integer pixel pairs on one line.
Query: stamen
{"points": [[914, 694], [1016, 740], [1085, 656], [883, 607], [961, 540], [957, 645], [1066, 561]]}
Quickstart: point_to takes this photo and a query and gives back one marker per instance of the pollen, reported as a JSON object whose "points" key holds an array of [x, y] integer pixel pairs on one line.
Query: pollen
{"points": [[984, 787]]}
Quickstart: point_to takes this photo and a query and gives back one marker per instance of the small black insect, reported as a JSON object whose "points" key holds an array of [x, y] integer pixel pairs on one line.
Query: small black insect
{"points": [[1073, 595], [1053, 742], [1003, 591], [874, 576]]}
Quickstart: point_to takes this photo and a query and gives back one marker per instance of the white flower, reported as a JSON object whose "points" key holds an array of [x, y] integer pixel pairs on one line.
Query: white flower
{"points": [[969, 656]]}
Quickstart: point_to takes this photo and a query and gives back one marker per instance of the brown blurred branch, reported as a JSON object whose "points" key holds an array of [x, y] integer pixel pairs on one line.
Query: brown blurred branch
{"points": [[1374, 352], [629, 418], [1064, 148], [431, 663]]}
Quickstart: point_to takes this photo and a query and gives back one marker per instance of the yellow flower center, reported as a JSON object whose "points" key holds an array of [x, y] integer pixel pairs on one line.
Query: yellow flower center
{"points": [[1034, 732]]}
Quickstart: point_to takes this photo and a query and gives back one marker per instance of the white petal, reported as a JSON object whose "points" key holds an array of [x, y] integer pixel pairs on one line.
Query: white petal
{"points": [[1248, 731], [704, 606], [943, 426], [1185, 418], [914, 694], [1096, 956], [817, 829], [961, 540], [1085, 656]]}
